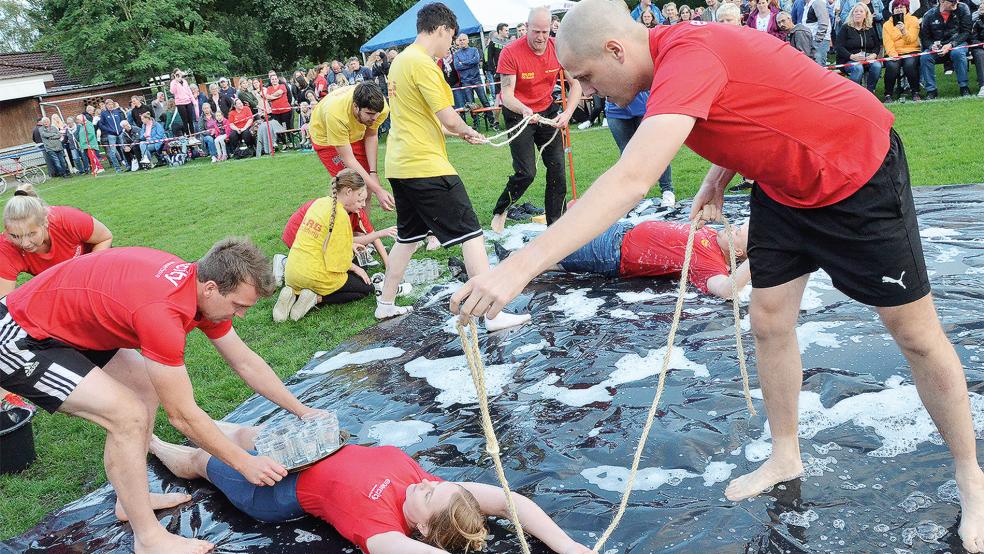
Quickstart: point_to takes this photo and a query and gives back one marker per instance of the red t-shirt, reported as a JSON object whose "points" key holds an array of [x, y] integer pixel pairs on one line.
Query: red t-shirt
{"points": [[281, 104], [535, 75], [807, 136], [239, 118], [359, 220], [294, 223], [360, 491], [657, 249], [321, 82], [69, 229], [118, 298]]}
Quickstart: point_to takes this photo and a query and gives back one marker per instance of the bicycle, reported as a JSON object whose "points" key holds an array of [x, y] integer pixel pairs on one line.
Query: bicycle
{"points": [[32, 175]]}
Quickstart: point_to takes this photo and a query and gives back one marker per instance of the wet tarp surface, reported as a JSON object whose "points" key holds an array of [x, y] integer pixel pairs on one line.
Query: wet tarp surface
{"points": [[570, 394]]}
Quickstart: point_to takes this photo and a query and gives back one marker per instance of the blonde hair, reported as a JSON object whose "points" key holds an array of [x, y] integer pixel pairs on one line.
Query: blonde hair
{"points": [[728, 8], [461, 526], [346, 179], [26, 205], [868, 18]]}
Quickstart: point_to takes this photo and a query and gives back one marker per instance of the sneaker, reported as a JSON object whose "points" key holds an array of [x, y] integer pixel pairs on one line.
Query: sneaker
{"points": [[501, 252], [888, 99], [515, 213], [964, 91], [279, 268], [744, 185], [980, 93], [604, 123], [531, 209], [932, 95], [285, 301], [584, 125], [456, 266], [215, 159], [377, 281], [100, 170], [948, 72], [305, 301], [915, 97], [669, 200]]}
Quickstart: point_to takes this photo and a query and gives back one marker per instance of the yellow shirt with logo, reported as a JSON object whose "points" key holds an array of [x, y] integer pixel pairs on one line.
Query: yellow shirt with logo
{"points": [[417, 91], [333, 121], [310, 267]]}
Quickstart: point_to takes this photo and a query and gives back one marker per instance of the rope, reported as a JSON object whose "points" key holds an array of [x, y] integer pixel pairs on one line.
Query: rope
{"points": [[469, 342], [519, 128]]}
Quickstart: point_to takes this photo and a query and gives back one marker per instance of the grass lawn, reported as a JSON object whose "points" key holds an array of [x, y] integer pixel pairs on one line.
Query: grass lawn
{"points": [[185, 210]]}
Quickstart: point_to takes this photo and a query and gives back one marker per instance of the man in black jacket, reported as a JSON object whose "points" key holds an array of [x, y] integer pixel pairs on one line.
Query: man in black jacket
{"points": [[497, 42], [945, 30]]}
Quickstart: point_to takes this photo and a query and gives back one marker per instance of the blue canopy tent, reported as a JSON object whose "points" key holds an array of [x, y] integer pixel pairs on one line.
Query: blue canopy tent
{"points": [[403, 30]]}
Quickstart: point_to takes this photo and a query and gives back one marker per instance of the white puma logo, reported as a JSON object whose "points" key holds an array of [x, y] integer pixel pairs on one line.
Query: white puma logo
{"points": [[896, 281]]}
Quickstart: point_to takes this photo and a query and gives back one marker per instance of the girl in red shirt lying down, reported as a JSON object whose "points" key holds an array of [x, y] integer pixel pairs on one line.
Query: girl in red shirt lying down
{"points": [[37, 236], [377, 497]]}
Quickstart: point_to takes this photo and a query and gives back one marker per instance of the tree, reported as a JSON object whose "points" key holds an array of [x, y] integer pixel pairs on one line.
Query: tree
{"points": [[131, 40], [17, 30]]}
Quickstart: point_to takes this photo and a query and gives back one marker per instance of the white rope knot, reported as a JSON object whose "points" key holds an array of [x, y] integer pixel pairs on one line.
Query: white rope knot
{"points": [[520, 127]]}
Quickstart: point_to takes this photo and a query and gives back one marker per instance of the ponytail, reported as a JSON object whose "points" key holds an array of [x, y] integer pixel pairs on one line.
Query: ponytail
{"points": [[346, 179]]}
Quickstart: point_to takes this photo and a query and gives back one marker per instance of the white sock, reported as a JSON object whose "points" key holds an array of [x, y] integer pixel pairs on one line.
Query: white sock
{"points": [[386, 310]]}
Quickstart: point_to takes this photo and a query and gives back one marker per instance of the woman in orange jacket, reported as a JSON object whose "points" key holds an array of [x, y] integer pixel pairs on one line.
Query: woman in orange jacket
{"points": [[901, 36]]}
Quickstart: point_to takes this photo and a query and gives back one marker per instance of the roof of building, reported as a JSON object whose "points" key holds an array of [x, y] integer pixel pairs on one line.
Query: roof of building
{"points": [[19, 64]]}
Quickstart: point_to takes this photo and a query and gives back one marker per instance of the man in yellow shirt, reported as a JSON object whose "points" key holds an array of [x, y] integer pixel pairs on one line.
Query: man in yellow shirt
{"points": [[344, 131], [430, 197]]}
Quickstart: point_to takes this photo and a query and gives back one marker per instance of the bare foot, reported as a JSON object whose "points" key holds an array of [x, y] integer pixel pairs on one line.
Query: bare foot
{"points": [[166, 543], [499, 223], [157, 502], [971, 530], [769, 474]]}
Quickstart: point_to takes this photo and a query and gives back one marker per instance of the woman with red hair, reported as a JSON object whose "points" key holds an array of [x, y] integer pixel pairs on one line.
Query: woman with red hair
{"points": [[763, 18]]}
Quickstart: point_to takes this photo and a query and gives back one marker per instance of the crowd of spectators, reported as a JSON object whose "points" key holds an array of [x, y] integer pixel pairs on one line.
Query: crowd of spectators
{"points": [[250, 116]]}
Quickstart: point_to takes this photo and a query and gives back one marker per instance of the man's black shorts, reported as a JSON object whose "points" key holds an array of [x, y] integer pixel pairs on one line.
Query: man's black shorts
{"points": [[868, 243], [42, 371], [437, 205]]}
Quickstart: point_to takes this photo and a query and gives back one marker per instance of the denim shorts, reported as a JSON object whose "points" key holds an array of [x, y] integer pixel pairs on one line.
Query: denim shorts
{"points": [[270, 504], [603, 255]]}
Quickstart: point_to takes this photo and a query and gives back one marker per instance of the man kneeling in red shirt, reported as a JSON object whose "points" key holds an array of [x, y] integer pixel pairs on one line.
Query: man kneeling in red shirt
{"points": [[376, 497]]}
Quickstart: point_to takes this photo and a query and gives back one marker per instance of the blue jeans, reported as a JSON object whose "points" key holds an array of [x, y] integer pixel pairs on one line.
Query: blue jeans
{"points": [[152, 148], [57, 160], [927, 67], [603, 255], [822, 48], [111, 142], [872, 70], [209, 141], [464, 96], [271, 504], [622, 131], [79, 160], [490, 81]]}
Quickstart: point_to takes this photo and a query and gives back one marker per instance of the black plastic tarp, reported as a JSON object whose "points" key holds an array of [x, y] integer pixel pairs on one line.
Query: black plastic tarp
{"points": [[570, 394]]}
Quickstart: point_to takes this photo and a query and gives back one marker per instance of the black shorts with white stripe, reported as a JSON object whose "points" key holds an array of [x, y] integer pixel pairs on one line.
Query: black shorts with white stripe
{"points": [[436, 205], [42, 371]]}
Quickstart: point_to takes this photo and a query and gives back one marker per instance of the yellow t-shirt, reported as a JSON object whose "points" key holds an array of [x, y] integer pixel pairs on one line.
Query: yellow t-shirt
{"points": [[310, 267], [333, 122], [417, 91]]}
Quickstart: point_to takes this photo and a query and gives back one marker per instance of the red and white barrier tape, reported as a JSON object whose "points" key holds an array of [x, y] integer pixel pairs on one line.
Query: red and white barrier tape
{"points": [[902, 57]]}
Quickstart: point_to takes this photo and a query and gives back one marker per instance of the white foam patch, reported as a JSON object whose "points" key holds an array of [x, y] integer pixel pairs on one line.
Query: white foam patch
{"points": [[576, 306], [628, 368], [633, 297], [895, 414], [699, 311], [717, 472], [813, 333], [305, 536], [453, 378], [450, 326], [343, 359], [947, 255], [797, 519], [613, 478], [527, 348], [442, 292], [512, 237], [938, 233], [399, 433], [624, 314]]}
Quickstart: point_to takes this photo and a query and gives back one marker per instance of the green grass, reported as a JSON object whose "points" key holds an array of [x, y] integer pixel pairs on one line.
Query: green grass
{"points": [[185, 210]]}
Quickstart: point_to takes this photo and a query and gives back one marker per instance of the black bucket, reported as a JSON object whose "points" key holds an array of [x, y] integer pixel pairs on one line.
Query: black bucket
{"points": [[16, 439]]}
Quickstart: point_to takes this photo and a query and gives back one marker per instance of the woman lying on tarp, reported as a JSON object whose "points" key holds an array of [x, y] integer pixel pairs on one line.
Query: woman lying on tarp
{"points": [[376, 497]]}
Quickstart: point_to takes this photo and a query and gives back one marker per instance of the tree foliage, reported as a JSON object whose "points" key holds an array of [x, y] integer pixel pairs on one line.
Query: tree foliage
{"points": [[127, 40], [18, 31]]}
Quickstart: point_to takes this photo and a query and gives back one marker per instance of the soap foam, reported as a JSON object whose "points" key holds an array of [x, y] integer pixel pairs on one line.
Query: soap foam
{"points": [[576, 306], [343, 359], [453, 378], [399, 433]]}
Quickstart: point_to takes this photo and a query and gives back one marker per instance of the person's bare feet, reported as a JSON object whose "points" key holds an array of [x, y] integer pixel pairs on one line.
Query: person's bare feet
{"points": [[166, 543], [769, 474], [971, 529], [157, 502], [499, 222]]}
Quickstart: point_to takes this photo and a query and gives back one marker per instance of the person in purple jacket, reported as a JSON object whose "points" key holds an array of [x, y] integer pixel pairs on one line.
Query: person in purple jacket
{"points": [[468, 63]]}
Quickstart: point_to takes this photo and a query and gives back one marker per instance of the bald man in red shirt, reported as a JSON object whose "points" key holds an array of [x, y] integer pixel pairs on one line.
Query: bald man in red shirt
{"points": [[832, 191]]}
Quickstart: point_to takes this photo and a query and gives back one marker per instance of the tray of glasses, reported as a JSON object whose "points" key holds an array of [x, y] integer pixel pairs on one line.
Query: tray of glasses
{"points": [[300, 443]]}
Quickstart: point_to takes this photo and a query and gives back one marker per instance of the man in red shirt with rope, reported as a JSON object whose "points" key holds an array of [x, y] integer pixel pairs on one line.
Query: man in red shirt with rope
{"points": [[832, 191]]}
